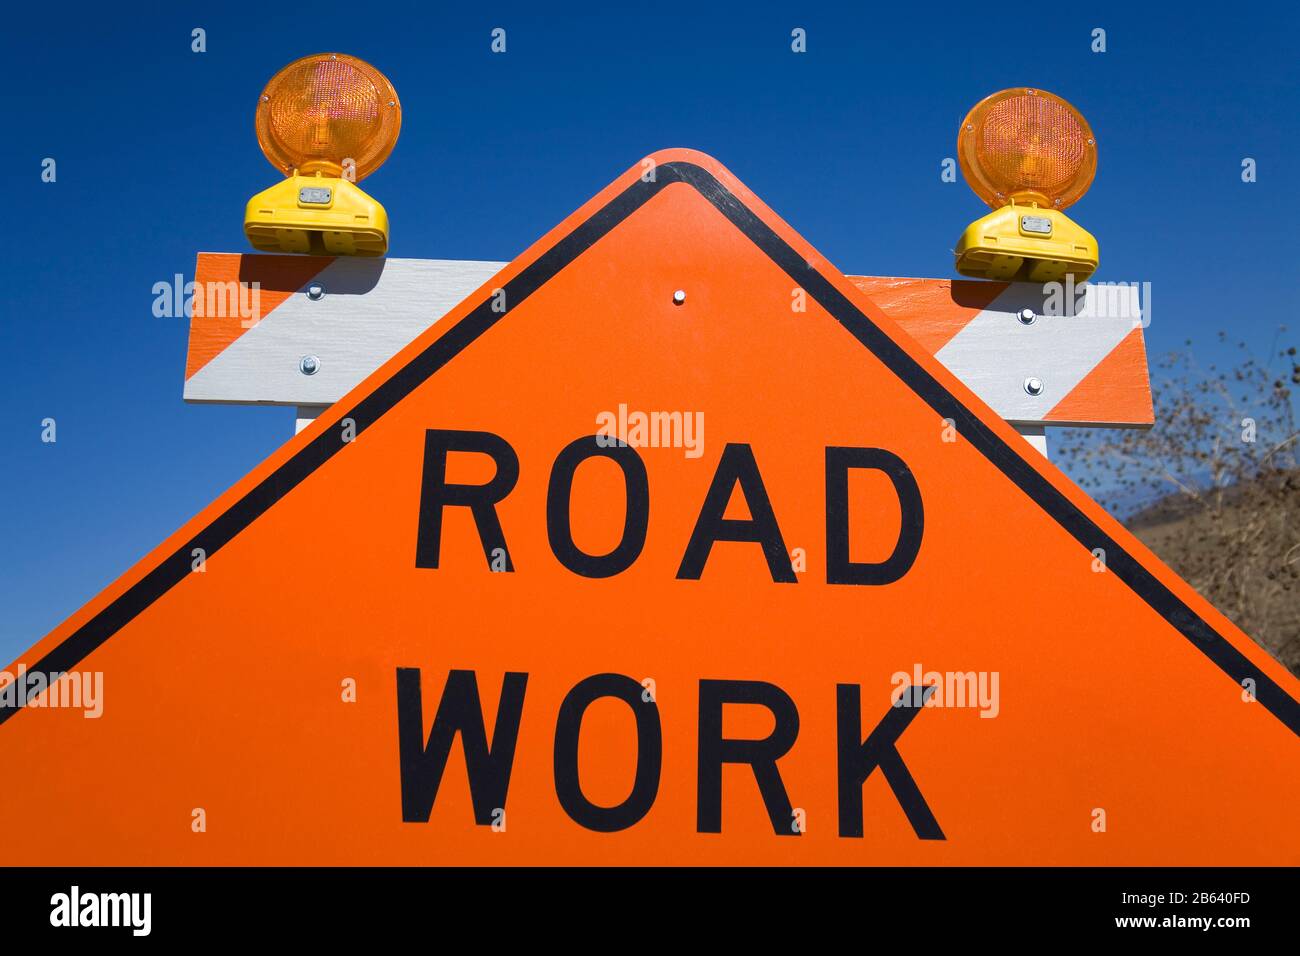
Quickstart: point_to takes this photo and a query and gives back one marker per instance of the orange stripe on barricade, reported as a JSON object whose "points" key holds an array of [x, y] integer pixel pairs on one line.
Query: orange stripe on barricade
{"points": [[215, 323]]}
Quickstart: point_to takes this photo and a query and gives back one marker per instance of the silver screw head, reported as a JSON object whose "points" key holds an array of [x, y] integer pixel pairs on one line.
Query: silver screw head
{"points": [[1026, 316], [309, 365], [679, 297], [315, 292], [1034, 386]]}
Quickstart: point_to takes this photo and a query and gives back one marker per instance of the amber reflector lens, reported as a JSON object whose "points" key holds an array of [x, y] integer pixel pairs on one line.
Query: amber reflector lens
{"points": [[324, 109], [1028, 145]]}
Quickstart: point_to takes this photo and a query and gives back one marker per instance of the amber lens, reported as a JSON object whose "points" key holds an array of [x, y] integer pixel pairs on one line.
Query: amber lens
{"points": [[322, 110], [1027, 144]]}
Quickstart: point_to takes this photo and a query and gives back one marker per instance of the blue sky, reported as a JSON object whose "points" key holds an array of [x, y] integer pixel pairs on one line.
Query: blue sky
{"points": [[156, 156]]}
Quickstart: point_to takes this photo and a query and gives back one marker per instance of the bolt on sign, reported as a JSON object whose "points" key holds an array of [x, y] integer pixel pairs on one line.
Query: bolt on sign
{"points": [[459, 620]]}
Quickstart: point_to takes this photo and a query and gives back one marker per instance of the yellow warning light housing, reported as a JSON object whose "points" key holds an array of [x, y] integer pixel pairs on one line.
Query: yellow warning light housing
{"points": [[325, 121], [1029, 154]]}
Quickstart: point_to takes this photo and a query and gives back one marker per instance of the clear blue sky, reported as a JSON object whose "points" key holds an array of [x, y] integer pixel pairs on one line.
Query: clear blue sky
{"points": [[156, 157]]}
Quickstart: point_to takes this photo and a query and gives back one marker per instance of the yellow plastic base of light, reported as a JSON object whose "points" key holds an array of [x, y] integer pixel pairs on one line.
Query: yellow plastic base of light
{"points": [[319, 215], [999, 246]]}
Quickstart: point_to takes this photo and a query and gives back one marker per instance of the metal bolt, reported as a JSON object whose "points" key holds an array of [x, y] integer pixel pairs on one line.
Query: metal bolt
{"points": [[265, 98], [309, 365], [1026, 316], [315, 292], [679, 297], [1034, 386]]}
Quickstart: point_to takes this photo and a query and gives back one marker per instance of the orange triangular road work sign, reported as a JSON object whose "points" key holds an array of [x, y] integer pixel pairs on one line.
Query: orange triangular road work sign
{"points": [[846, 616]]}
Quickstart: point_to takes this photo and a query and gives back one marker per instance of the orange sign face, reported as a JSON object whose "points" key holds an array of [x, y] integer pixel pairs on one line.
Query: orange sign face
{"points": [[663, 548]]}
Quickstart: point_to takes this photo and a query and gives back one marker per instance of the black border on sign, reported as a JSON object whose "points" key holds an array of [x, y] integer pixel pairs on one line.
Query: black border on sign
{"points": [[367, 411]]}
